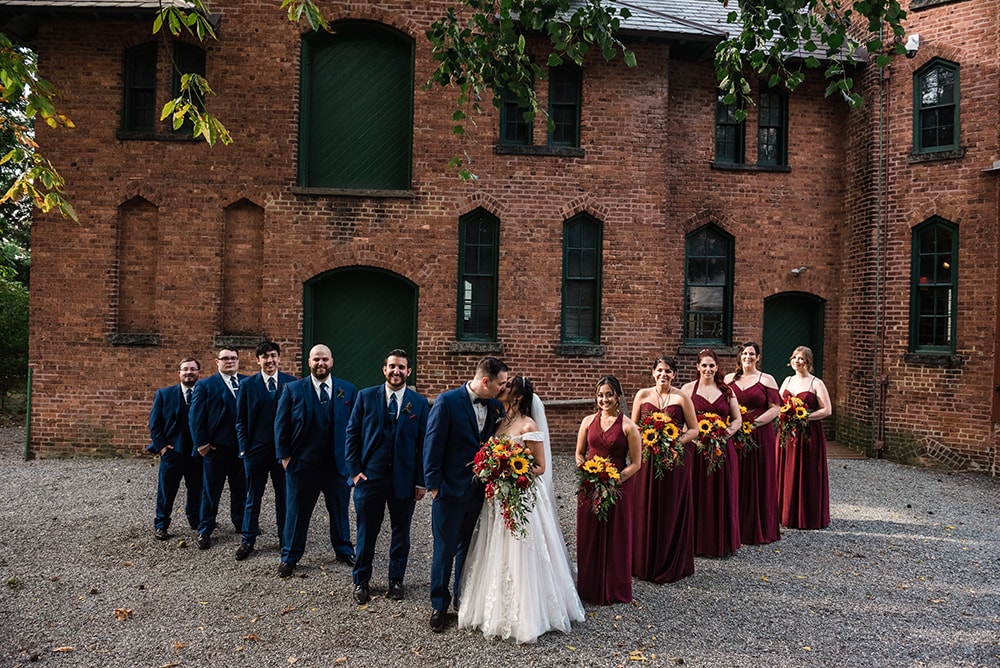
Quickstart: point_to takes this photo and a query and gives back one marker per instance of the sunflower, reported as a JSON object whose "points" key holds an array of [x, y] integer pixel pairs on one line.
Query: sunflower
{"points": [[747, 427], [650, 437], [590, 466], [671, 430], [786, 407], [705, 426], [519, 465], [801, 412], [613, 474]]}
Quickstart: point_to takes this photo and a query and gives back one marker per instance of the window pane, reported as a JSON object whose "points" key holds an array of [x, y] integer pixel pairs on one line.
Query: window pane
{"points": [[932, 309], [565, 105], [729, 133], [581, 280], [477, 280], [708, 285]]}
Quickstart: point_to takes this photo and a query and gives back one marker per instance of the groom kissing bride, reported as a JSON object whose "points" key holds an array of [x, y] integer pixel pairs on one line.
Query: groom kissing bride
{"points": [[459, 422]]}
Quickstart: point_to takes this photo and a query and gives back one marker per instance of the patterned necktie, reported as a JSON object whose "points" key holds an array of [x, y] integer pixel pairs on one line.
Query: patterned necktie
{"points": [[271, 385], [393, 407], [324, 396], [187, 396], [235, 384]]}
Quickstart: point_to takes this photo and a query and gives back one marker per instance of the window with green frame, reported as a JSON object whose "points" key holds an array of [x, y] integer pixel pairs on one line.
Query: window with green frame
{"points": [[565, 103], [139, 90], [730, 134], [772, 128], [356, 108], [708, 286], [478, 262], [933, 287], [581, 284], [936, 107], [514, 129]]}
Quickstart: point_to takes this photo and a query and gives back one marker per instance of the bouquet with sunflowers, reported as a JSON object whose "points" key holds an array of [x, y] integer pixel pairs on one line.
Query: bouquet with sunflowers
{"points": [[660, 442], [600, 485], [743, 439], [793, 420], [712, 439], [507, 470]]}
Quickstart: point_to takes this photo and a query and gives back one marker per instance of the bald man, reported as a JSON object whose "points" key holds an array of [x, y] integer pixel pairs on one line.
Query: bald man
{"points": [[310, 431]]}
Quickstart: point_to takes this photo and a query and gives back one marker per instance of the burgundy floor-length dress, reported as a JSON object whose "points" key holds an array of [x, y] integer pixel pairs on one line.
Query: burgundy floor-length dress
{"points": [[716, 495], [604, 548], [759, 470], [803, 479], [663, 526]]}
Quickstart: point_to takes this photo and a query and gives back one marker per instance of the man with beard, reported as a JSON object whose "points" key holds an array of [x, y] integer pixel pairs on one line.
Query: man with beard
{"points": [[170, 438], [385, 443], [309, 432]]}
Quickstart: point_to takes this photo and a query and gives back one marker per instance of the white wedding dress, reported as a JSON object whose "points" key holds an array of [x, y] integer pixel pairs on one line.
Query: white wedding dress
{"points": [[516, 587]]}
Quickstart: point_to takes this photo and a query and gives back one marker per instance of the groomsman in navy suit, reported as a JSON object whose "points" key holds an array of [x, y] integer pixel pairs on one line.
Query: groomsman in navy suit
{"points": [[385, 444], [310, 429], [256, 405], [460, 421], [170, 438], [213, 429]]}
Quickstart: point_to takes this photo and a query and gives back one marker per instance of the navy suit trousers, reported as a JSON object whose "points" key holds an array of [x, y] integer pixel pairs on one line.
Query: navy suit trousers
{"points": [[371, 497], [452, 521], [222, 464], [304, 482], [257, 472], [175, 467]]}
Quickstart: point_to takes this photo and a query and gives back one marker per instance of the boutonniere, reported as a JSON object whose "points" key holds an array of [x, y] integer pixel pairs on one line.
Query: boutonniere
{"points": [[340, 393], [407, 408]]}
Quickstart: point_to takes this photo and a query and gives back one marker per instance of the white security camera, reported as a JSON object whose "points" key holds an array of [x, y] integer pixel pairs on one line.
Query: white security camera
{"points": [[912, 45]]}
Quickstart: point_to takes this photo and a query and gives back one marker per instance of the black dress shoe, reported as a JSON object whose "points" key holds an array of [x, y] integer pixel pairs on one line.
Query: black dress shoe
{"points": [[346, 559], [361, 594], [396, 591], [285, 570], [243, 551], [438, 619], [161, 534], [204, 541]]}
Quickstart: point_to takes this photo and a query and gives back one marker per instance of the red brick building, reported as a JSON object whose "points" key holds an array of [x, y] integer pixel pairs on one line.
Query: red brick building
{"points": [[647, 221]]}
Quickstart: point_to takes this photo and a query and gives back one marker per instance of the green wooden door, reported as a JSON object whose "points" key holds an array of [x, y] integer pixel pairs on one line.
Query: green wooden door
{"points": [[361, 313], [792, 319]]}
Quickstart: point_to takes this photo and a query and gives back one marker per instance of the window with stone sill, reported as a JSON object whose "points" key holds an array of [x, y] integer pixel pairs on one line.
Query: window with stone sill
{"points": [[936, 108], [478, 265], [933, 287]]}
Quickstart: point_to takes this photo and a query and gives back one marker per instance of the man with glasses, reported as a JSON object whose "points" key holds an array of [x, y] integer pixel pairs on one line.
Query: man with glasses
{"points": [[213, 430]]}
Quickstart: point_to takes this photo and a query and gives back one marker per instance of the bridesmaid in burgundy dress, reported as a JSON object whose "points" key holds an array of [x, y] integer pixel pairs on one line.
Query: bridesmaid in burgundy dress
{"points": [[716, 494], [663, 527], [604, 548], [803, 482], [758, 393]]}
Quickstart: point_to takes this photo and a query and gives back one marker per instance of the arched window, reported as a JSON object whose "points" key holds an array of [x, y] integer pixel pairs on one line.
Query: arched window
{"points": [[478, 263], [933, 287], [708, 286], [581, 283], [936, 107]]}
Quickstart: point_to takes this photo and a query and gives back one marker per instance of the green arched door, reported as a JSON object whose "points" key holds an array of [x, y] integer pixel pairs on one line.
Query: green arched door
{"points": [[792, 319], [361, 313]]}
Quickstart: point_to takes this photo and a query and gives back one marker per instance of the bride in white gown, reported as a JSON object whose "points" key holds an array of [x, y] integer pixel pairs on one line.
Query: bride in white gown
{"points": [[521, 587]]}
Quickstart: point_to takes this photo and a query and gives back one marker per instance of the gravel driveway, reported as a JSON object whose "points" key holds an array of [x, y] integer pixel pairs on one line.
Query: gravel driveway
{"points": [[907, 574]]}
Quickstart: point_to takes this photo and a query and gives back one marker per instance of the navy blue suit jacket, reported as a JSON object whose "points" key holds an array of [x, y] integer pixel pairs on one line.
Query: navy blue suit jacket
{"points": [[255, 411], [297, 421], [213, 413], [364, 435], [452, 441], [168, 421]]}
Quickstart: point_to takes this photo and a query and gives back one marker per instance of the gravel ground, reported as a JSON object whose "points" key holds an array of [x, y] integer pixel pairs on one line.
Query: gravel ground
{"points": [[907, 574]]}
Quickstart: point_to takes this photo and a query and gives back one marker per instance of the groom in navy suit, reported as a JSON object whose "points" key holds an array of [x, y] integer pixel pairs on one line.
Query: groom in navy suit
{"points": [[309, 432], [213, 430], [385, 451], [460, 421], [255, 409]]}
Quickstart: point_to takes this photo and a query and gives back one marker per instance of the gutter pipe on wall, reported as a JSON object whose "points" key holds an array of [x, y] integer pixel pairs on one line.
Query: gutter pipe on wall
{"points": [[27, 419], [881, 380]]}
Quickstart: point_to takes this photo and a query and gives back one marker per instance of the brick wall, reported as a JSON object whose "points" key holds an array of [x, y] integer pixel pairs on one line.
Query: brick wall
{"points": [[648, 138]]}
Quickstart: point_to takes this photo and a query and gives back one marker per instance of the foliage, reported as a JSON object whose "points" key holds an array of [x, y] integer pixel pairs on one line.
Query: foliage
{"points": [[482, 49], [771, 30], [24, 96], [13, 336]]}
